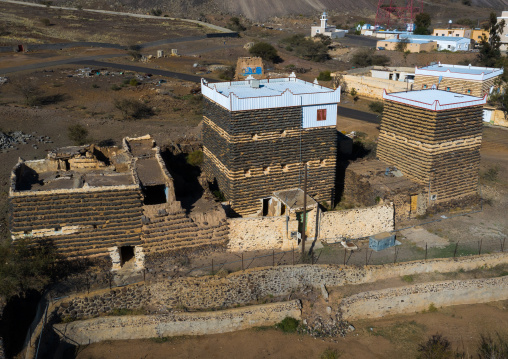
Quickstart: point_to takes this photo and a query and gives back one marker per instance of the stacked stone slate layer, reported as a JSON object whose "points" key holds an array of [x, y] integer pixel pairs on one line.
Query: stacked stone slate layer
{"points": [[253, 153], [105, 218], [467, 87], [439, 149]]}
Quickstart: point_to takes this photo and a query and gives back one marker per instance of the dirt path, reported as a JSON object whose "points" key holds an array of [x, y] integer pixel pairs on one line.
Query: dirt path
{"points": [[392, 337]]}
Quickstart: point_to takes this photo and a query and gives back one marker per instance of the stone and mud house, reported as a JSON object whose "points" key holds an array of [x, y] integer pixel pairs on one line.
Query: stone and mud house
{"points": [[468, 80], [433, 137], [91, 201], [259, 134]]}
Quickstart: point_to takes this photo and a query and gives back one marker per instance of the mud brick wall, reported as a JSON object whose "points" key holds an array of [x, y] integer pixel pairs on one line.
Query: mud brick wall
{"points": [[477, 88], [251, 154], [437, 149], [102, 218]]}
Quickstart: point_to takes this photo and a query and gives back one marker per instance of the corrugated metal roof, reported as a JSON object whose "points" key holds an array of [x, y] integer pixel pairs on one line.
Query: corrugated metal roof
{"points": [[435, 100], [437, 38], [474, 70]]}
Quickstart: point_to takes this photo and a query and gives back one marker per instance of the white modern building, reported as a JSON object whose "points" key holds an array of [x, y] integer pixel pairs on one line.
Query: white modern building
{"points": [[444, 42], [327, 30]]}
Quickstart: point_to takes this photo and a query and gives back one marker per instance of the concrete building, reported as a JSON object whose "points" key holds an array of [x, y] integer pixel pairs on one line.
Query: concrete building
{"points": [[373, 80], [413, 45], [257, 134], [386, 34], [433, 137], [478, 34], [504, 36], [91, 201], [327, 30], [469, 80], [452, 44], [453, 32]]}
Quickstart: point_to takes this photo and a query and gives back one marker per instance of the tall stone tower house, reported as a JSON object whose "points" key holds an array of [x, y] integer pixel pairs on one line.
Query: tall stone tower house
{"points": [[434, 138], [257, 134]]}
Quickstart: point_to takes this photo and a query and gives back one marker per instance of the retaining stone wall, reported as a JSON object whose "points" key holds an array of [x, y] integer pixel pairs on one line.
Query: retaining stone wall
{"points": [[375, 304], [356, 223], [373, 87], [175, 324], [247, 286]]}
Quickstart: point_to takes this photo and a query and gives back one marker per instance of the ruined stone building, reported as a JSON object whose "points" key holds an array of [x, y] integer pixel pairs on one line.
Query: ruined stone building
{"points": [[91, 201], [469, 80], [257, 134], [433, 137]]}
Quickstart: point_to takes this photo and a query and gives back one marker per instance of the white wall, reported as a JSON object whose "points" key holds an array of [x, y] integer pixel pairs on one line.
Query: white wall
{"points": [[310, 116]]}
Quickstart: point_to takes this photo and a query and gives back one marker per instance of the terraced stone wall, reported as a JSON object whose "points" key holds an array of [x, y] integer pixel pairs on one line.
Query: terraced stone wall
{"points": [[439, 149], [475, 88], [251, 154]]}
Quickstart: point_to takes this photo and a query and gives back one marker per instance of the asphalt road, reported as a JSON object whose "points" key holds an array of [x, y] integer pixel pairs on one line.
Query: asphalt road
{"points": [[359, 40], [358, 115]]}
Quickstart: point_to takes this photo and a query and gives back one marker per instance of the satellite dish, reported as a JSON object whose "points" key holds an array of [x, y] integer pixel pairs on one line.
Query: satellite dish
{"points": [[449, 21]]}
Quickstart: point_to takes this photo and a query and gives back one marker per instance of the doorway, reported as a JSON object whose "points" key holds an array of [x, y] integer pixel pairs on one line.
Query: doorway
{"points": [[126, 255], [155, 194]]}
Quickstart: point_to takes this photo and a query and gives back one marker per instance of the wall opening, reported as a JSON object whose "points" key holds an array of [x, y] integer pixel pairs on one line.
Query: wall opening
{"points": [[126, 255], [155, 194], [266, 204], [282, 209]]}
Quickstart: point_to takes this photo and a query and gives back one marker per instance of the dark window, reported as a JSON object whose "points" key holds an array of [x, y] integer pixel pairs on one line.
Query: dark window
{"points": [[266, 203], [155, 194], [126, 254], [321, 115]]}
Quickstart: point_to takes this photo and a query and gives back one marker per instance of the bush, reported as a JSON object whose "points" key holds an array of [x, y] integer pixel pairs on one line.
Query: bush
{"points": [[330, 354], [235, 24], [195, 158], [436, 347], [156, 12], [46, 22], [376, 106], [490, 175], [77, 134], [115, 88], [133, 82], [95, 86], [432, 308], [266, 51], [368, 57], [306, 48], [325, 76], [490, 348], [288, 325], [133, 109]]}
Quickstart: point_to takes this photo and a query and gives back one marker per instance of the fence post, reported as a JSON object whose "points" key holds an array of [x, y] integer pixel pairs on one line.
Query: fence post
{"points": [[144, 275], [345, 254], [425, 251], [480, 246], [366, 256], [395, 255], [109, 277], [502, 245], [455, 251], [273, 257], [293, 255], [212, 267], [87, 284], [242, 260]]}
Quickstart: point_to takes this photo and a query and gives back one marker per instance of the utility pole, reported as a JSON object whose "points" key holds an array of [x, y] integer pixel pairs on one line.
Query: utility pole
{"points": [[304, 236]]}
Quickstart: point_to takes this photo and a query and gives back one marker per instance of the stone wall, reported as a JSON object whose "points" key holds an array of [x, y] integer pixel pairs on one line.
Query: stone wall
{"points": [[467, 87], [373, 87], [248, 286], [415, 298], [356, 223], [176, 324]]}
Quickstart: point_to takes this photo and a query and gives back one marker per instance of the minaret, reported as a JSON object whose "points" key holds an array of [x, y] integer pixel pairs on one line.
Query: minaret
{"points": [[323, 20]]}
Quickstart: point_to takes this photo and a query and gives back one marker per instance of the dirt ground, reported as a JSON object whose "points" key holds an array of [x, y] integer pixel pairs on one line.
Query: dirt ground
{"points": [[390, 337]]}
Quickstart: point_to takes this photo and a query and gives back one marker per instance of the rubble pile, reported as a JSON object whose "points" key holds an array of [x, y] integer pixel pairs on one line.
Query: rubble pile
{"points": [[326, 327], [9, 141]]}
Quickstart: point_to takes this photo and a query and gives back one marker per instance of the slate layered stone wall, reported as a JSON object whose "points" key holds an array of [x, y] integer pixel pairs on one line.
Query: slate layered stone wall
{"points": [[440, 150], [102, 218], [477, 88], [253, 153]]}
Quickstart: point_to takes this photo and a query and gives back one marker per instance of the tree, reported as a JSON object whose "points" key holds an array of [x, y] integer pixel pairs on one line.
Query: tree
{"points": [[422, 24], [266, 51], [402, 45], [490, 53], [30, 92], [306, 48], [368, 57], [338, 80], [235, 24], [77, 134], [324, 76], [133, 109], [436, 347]]}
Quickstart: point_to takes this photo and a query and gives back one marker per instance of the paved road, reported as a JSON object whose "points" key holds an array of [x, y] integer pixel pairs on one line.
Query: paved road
{"points": [[359, 40], [358, 115]]}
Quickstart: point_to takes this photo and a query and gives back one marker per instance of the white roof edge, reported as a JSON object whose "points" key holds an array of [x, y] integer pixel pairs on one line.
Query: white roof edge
{"points": [[435, 105]]}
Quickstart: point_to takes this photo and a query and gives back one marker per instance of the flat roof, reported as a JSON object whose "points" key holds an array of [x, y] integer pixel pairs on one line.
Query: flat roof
{"points": [[438, 38], [459, 71], [268, 93], [435, 100], [293, 199], [412, 41]]}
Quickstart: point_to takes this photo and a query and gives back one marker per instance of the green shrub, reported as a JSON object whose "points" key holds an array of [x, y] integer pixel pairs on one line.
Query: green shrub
{"points": [[133, 109], [115, 88], [219, 195], [235, 24], [77, 134], [95, 86], [306, 48], [46, 22], [330, 354], [133, 82], [156, 12], [436, 347], [491, 174], [266, 51], [325, 76], [376, 106], [432, 308], [408, 278], [195, 158], [368, 57], [288, 325]]}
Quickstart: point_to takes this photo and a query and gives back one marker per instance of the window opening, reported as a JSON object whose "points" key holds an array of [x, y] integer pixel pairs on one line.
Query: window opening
{"points": [[126, 255], [155, 194], [321, 115], [266, 204]]}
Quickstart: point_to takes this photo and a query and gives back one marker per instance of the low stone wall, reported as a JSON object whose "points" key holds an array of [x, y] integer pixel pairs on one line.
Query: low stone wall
{"points": [[415, 298], [373, 87], [356, 223], [246, 287], [175, 324], [248, 234]]}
